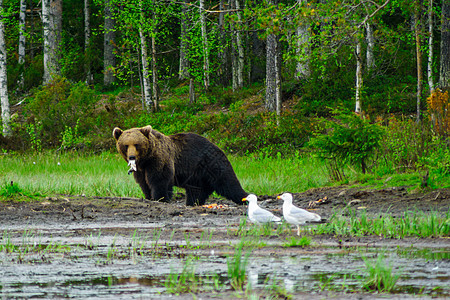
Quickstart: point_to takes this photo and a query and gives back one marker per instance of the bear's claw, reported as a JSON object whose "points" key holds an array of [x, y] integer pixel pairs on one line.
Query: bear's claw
{"points": [[132, 164]]}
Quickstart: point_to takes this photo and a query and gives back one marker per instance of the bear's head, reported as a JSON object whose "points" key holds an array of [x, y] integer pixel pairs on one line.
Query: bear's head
{"points": [[134, 144]]}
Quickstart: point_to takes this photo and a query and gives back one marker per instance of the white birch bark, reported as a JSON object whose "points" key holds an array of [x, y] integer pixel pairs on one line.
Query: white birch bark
{"points": [[302, 51], [52, 23], [358, 78], [22, 40], [370, 58], [6, 116], [147, 92], [205, 46], [430, 47]]}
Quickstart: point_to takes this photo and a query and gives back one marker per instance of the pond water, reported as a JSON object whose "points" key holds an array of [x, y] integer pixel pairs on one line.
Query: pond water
{"points": [[85, 263]]}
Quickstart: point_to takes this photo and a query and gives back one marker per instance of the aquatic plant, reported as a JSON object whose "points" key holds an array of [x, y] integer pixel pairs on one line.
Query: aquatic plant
{"points": [[237, 268], [183, 282], [380, 276]]}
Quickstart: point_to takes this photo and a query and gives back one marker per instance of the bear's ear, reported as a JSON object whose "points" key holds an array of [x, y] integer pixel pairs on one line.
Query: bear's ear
{"points": [[117, 132], [146, 130]]}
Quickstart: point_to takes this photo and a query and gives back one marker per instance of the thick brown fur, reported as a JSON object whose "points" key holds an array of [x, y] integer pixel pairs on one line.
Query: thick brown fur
{"points": [[185, 160]]}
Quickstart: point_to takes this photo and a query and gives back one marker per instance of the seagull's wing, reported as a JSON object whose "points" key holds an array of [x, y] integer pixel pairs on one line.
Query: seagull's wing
{"points": [[302, 214], [263, 216]]}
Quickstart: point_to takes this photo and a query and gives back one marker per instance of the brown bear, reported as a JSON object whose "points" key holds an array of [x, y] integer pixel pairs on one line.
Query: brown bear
{"points": [[186, 160]]}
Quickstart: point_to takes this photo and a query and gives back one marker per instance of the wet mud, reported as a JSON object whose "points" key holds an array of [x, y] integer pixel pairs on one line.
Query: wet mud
{"points": [[99, 247]]}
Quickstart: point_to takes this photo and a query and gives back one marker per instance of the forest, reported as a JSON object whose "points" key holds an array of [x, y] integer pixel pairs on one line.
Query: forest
{"points": [[360, 83]]}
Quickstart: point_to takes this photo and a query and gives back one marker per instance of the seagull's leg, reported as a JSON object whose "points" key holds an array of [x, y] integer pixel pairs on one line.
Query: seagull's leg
{"points": [[298, 230]]}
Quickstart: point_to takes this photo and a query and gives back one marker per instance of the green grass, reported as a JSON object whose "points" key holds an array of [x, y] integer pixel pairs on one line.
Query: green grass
{"points": [[410, 224], [105, 174]]}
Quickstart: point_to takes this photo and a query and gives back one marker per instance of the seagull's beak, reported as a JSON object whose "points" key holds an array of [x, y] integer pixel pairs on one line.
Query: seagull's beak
{"points": [[278, 197], [244, 199]]}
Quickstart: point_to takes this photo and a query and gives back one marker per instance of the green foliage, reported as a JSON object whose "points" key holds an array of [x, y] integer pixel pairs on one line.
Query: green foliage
{"points": [[351, 140], [34, 132], [59, 105], [70, 137]]}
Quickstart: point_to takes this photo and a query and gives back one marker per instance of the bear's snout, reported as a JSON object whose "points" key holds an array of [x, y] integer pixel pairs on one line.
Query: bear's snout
{"points": [[131, 157]]}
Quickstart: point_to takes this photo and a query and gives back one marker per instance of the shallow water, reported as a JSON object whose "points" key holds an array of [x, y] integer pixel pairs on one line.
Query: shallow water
{"points": [[103, 261]]}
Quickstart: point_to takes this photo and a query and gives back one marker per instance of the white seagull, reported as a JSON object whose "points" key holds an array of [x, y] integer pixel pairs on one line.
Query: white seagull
{"points": [[257, 214], [294, 215]]}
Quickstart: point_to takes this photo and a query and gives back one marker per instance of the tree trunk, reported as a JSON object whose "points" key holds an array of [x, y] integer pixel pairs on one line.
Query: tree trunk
{"points": [[6, 117], [147, 93], [370, 45], [359, 78], [23, 7], [205, 46], [191, 91], [240, 48], [87, 40], [417, 31], [273, 77], [52, 23], [223, 69], [183, 72], [302, 51], [430, 47], [444, 72], [155, 75], [234, 52], [109, 58]]}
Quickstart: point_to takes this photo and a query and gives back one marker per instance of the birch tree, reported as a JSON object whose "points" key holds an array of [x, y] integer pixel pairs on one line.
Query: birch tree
{"points": [[146, 87], [22, 40], [444, 72], [205, 45], [240, 49], [109, 58], [52, 24], [183, 72], [303, 51], [359, 78], [273, 69], [6, 128], [370, 58], [430, 47]]}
